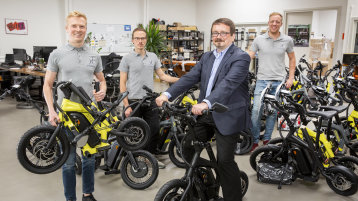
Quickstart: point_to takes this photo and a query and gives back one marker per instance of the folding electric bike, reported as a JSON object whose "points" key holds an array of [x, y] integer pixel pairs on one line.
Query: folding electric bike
{"points": [[44, 149], [298, 157], [201, 179]]}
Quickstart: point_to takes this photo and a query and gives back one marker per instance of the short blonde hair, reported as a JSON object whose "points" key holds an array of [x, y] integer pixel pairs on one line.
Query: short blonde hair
{"points": [[276, 13], [76, 13]]}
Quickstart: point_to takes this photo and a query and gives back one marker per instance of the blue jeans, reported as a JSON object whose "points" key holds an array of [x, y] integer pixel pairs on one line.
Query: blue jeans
{"points": [[69, 175], [257, 111]]}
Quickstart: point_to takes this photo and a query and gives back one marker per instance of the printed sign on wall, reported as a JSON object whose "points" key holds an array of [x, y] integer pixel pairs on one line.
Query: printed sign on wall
{"points": [[16, 26]]}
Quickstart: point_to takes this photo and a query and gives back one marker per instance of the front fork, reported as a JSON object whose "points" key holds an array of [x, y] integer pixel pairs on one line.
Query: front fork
{"points": [[133, 161], [52, 139]]}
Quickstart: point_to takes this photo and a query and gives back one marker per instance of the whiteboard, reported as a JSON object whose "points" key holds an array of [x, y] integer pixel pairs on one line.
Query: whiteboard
{"points": [[110, 37]]}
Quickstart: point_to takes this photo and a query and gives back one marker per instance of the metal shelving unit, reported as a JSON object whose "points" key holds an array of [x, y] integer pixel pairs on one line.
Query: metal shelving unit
{"points": [[184, 44]]}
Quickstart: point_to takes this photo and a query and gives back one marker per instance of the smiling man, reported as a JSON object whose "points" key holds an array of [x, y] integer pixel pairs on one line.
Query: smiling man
{"points": [[77, 63], [271, 48], [222, 75]]}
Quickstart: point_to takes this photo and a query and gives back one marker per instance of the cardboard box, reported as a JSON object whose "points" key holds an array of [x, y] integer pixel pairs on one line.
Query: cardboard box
{"points": [[252, 37], [162, 27], [177, 24], [191, 28]]}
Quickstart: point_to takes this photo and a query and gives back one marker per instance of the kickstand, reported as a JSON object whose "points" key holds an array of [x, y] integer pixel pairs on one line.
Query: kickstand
{"points": [[283, 173]]}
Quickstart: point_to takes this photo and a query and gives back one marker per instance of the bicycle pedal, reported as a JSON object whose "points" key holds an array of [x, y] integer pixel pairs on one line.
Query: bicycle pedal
{"points": [[112, 172]]}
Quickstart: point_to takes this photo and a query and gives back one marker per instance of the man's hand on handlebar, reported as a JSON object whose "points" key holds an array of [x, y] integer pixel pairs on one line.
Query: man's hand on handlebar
{"points": [[99, 95], [198, 108], [161, 99]]}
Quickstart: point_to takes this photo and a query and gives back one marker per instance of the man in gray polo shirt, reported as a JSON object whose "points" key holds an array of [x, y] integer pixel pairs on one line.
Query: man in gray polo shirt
{"points": [[137, 68], [271, 48], [77, 63]]}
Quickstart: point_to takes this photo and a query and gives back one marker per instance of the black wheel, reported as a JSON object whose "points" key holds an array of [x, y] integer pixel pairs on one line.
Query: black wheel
{"points": [[244, 183], [265, 154], [276, 141], [172, 191], [244, 143], [33, 155], [342, 180], [139, 134], [175, 153], [349, 162], [145, 175], [354, 149], [78, 165]]}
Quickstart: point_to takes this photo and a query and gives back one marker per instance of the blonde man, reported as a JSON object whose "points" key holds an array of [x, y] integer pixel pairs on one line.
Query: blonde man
{"points": [[270, 48], [77, 63]]}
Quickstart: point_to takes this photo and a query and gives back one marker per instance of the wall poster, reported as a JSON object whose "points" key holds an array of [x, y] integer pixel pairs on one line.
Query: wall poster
{"points": [[15, 26]]}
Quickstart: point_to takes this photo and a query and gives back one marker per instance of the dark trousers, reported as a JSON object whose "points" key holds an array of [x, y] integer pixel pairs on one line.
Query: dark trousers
{"points": [[229, 172], [150, 114]]}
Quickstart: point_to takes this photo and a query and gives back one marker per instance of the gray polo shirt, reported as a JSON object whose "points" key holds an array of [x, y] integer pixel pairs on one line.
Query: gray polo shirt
{"points": [[77, 65], [271, 55], [140, 72]]}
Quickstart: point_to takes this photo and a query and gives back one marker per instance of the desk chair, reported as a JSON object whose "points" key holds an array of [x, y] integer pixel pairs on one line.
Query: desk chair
{"points": [[24, 83]]}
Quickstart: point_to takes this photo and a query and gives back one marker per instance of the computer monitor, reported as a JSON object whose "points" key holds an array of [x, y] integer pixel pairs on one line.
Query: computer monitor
{"points": [[9, 59], [19, 54], [43, 52]]}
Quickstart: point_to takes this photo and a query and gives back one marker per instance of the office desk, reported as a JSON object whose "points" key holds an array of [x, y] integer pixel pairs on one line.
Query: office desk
{"points": [[182, 67], [25, 71]]}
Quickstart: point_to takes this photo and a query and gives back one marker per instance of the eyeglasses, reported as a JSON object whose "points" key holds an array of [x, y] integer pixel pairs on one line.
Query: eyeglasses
{"points": [[138, 39], [222, 34]]}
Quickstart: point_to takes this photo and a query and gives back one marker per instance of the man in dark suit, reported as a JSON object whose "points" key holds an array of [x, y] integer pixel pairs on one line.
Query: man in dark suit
{"points": [[222, 74]]}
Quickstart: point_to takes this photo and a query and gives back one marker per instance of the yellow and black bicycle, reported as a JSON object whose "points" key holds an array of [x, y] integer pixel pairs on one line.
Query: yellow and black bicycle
{"points": [[44, 149]]}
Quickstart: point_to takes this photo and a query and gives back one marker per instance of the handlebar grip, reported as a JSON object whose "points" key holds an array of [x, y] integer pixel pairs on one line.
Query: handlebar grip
{"points": [[165, 104], [97, 88], [205, 112]]}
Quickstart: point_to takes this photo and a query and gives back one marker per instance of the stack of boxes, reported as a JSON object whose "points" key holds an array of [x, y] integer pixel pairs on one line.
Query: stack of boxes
{"points": [[321, 50]]}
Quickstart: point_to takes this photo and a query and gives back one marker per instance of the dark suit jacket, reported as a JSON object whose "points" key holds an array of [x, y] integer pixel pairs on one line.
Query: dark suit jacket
{"points": [[230, 88]]}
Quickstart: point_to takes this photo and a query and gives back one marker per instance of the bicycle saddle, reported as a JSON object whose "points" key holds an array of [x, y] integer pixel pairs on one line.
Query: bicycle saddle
{"points": [[338, 109], [324, 114]]}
